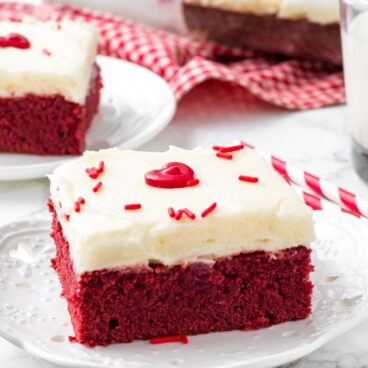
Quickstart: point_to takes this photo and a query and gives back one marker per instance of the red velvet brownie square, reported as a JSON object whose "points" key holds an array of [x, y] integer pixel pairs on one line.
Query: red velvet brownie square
{"points": [[49, 86], [299, 28], [178, 243]]}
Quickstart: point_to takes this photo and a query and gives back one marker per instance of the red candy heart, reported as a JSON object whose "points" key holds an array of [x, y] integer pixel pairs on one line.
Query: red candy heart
{"points": [[15, 40], [172, 175]]}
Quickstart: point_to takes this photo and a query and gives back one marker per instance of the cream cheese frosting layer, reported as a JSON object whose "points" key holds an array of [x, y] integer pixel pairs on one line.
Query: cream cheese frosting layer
{"points": [[317, 11], [58, 62], [249, 216]]}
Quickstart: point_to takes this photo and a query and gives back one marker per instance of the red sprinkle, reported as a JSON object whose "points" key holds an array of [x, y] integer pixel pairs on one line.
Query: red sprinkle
{"points": [[179, 215], [163, 340], [15, 40], [77, 206], [189, 213], [192, 183], [101, 167], [248, 179], [97, 187], [92, 172], [133, 206], [223, 149], [46, 52], [224, 155], [81, 200], [208, 210], [171, 212], [232, 148]]}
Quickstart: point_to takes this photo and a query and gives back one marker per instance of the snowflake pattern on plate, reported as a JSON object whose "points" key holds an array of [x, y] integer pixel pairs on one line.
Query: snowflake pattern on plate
{"points": [[33, 315]]}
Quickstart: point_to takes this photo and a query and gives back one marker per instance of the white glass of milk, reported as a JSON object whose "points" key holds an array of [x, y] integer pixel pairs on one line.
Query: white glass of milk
{"points": [[354, 31]]}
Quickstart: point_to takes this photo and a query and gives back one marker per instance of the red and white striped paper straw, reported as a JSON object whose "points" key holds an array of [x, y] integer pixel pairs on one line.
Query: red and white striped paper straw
{"points": [[318, 190]]}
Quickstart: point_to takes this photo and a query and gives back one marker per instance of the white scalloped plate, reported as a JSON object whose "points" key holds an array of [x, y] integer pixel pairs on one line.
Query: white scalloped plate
{"points": [[33, 316], [136, 105]]}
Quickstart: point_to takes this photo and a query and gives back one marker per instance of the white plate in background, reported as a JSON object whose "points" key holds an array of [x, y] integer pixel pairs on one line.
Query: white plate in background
{"points": [[136, 104]]}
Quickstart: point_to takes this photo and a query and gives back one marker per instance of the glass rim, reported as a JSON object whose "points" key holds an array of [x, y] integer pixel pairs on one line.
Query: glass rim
{"points": [[356, 3], [357, 6]]}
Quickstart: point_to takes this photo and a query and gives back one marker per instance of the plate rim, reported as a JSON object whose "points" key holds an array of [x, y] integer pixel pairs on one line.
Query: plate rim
{"points": [[273, 360], [32, 171], [268, 362]]}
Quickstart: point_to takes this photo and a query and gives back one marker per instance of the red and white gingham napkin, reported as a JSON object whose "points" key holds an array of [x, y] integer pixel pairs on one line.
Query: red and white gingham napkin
{"points": [[185, 62]]}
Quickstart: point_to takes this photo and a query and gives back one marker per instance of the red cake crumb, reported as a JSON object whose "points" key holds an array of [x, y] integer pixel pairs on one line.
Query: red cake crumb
{"points": [[242, 292], [164, 340], [47, 125]]}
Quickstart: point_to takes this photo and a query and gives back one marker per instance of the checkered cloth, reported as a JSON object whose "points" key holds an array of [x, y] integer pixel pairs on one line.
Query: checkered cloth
{"points": [[185, 62]]}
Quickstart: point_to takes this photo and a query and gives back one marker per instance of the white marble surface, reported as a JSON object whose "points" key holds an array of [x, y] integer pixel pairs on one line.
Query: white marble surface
{"points": [[315, 140]]}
